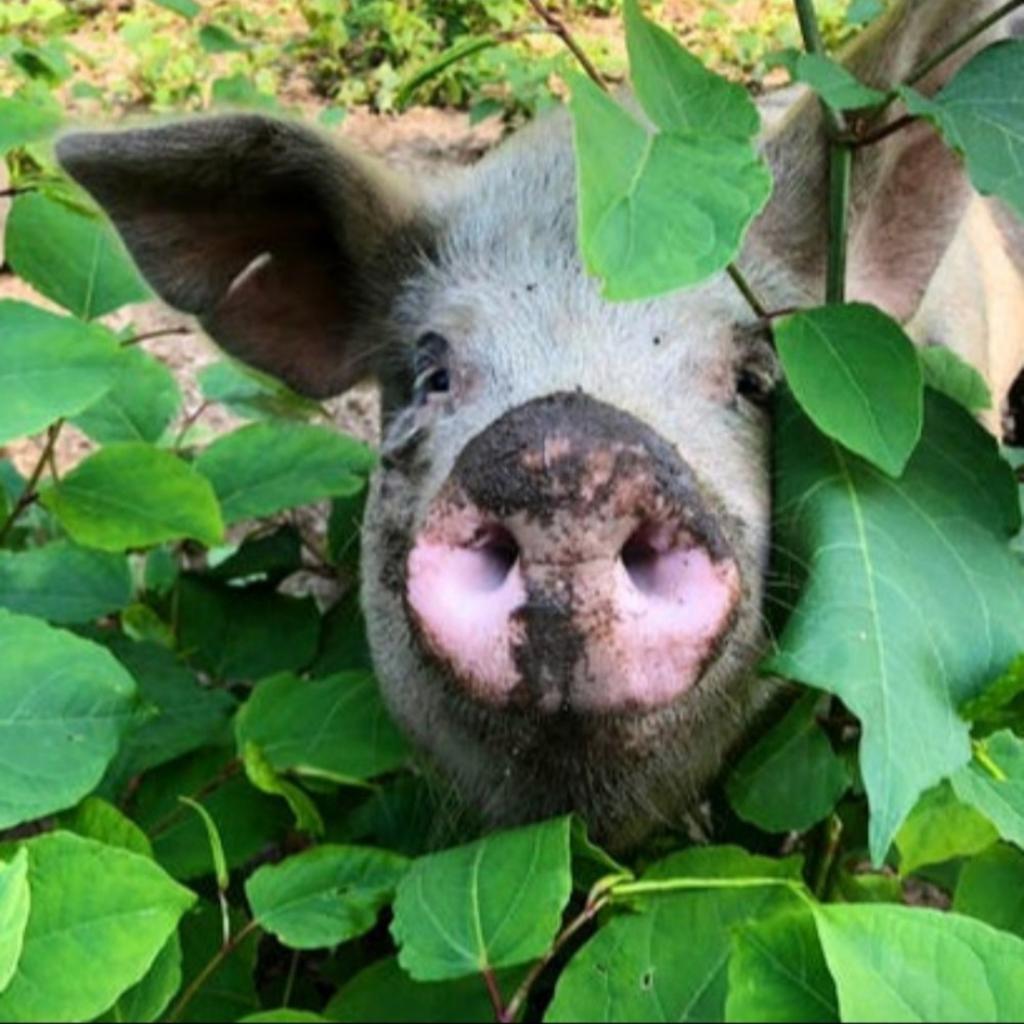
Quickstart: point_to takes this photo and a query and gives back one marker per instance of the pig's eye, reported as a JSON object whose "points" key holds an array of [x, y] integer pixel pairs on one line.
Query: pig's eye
{"points": [[757, 371], [431, 366], [754, 386]]}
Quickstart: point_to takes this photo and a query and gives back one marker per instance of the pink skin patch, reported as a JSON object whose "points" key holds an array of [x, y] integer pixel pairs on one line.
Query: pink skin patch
{"points": [[641, 605]]}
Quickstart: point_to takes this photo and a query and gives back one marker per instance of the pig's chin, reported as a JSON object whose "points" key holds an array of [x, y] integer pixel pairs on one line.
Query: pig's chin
{"points": [[614, 636]]}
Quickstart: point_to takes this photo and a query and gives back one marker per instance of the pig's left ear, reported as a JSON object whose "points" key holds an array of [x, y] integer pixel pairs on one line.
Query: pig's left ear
{"points": [[909, 191], [277, 240]]}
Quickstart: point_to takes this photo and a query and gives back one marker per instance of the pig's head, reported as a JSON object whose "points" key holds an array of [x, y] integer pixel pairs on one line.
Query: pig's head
{"points": [[567, 538]]}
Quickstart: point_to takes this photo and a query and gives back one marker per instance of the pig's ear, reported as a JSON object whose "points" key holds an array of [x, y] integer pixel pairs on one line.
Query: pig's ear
{"points": [[275, 239], [909, 191]]}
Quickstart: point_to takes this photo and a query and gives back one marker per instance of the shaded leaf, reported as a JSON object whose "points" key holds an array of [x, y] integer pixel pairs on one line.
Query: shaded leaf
{"points": [[834, 83], [990, 887], [945, 371], [994, 784]]}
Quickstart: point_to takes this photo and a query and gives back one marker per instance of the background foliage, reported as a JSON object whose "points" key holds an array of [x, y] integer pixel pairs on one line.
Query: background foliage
{"points": [[205, 813]]}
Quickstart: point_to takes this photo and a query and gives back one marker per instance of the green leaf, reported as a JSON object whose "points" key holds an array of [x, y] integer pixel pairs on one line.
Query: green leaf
{"points": [[997, 706], [132, 495], [97, 819], [140, 406], [990, 887], [226, 630], [632, 969], [64, 583], [676, 90], [777, 972], [645, 228], [266, 467], [834, 84], [58, 693], [22, 122], [284, 1016], [902, 648], [460, 50], [856, 374], [14, 910], [896, 963], [980, 112], [791, 778], [335, 728], [260, 772], [994, 783], [268, 558], [183, 715], [71, 257], [860, 12], [179, 841], [343, 643], [494, 903], [147, 1000], [87, 898], [231, 993], [50, 366], [941, 828], [239, 90], [217, 39], [383, 992], [945, 371], [220, 864], [324, 896], [186, 8]]}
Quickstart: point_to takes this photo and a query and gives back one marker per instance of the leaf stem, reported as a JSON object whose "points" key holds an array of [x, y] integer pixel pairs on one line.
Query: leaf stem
{"points": [[162, 333], [982, 756], [594, 905], [230, 769], [28, 494], [969, 36], [759, 308], [832, 835], [657, 886], [871, 137], [840, 163], [209, 970], [494, 991], [562, 31]]}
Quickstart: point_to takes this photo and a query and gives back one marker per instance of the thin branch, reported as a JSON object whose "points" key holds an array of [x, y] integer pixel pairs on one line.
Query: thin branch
{"points": [[28, 495], [562, 31], [589, 912], [833, 834], [189, 422], [10, 193], [759, 308], [162, 333], [840, 163], [870, 138], [224, 775], [209, 970], [969, 36]]}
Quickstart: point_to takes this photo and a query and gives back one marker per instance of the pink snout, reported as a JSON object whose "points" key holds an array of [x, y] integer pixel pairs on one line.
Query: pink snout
{"points": [[575, 570]]}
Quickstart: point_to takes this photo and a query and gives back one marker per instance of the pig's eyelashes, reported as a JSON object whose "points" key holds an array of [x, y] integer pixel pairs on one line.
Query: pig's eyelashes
{"points": [[431, 366]]}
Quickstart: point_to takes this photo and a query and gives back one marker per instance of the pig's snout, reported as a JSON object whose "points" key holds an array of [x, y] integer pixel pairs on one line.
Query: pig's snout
{"points": [[569, 562]]}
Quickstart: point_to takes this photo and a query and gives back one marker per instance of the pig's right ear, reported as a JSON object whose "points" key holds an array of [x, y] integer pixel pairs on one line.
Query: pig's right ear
{"points": [[274, 238]]}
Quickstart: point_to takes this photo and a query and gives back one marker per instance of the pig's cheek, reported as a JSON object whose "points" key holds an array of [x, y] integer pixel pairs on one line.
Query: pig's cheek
{"points": [[461, 604]]}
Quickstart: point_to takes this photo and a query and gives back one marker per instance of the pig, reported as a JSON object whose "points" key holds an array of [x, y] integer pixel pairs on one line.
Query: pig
{"points": [[568, 535]]}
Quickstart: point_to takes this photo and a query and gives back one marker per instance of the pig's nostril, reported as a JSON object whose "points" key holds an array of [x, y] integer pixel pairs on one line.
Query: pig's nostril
{"points": [[497, 552], [654, 558]]}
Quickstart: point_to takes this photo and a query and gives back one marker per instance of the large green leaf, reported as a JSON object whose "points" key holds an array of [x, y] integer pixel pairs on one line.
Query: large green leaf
{"points": [[324, 896], [14, 909], [64, 583], [23, 121], [64, 703], [981, 114], [132, 495], [50, 366], [494, 903], [88, 900], [73, 258], [647, 226], [182, 714], [994, 784], [245, 632], [669, 962], [678, 93], [384, 993], [990, 887], [777, 972], [940, 828], [140, 405], [147, 1000], [856, 374], [335, 728], [791, 778], [266, 467], [95, 818], [903, 648], [900, 964]]}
